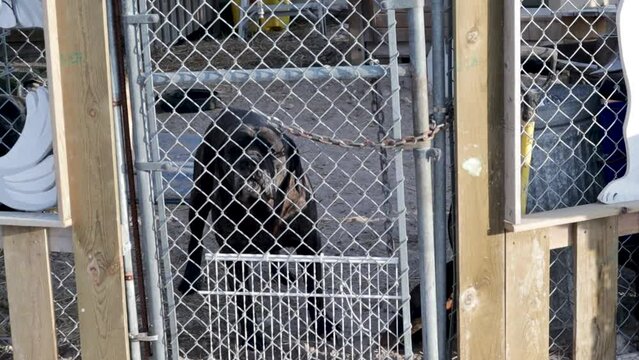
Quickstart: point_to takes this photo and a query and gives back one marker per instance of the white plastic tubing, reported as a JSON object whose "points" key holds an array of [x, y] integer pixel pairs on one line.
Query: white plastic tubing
{"points": [[27, 171], [21, 13]]}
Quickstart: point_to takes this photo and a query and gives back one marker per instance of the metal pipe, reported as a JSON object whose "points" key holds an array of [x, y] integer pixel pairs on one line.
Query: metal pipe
{"points": [[417, 45], [439, 184], [164, 256], [216, 77], [118, 115], [450, 159], [295, 259], [143, 179], [404, 269], [283, 9], [377, 110], [119, 53], [288, 294]]}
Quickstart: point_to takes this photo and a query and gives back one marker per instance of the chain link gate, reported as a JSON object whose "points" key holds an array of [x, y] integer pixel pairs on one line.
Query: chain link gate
{"points": [[288, 63]]}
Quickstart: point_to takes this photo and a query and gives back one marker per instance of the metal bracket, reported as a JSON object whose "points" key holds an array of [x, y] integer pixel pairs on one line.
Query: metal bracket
{"points": [[141, 19], [144, 337], [440, 110], [154, 166], [401, 4], [432, 154]]}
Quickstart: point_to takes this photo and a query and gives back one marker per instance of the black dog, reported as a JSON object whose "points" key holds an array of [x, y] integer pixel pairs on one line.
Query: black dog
{"points": [[249, 177], [390, 339]]}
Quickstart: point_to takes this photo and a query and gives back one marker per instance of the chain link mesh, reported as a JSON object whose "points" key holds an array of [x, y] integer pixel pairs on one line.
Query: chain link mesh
{"points": [[628, 306], [573, 109], [572, 82], [65, 308], [301, 76], [22, 61]]}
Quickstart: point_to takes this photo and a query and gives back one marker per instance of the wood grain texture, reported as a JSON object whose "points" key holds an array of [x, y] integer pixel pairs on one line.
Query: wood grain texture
{"points": [[30, 219], [58, 239], [527, 295], [512, 112], [356, 28], [86, 93], [480, 182], [595, 253], [572, 215], [26, 258], [56, 105]]}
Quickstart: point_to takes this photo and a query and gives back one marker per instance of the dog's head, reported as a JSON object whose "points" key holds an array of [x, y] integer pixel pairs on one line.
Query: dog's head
{"points": [[259, 160]]}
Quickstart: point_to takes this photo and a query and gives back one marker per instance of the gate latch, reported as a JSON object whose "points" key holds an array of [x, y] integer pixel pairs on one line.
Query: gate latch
{"points": [[144, 337], [401, 4], [141, 19], [155, 166]]}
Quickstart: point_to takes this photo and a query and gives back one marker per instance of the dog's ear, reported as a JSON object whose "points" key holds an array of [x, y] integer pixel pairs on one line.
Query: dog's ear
{"points": [[293, 158], [294, 191]]}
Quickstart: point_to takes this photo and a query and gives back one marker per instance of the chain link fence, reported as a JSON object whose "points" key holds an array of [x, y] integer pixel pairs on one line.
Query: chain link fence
{"points": [[22, 62], [570, 77], [293, 68], [65, 308], [573, 109]]}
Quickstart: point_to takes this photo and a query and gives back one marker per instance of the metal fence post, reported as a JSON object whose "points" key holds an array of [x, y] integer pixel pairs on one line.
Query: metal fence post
{"points": [[417, 44], [124, 213], [143, 179], [439, 183], [399, 178], [158, 197]]}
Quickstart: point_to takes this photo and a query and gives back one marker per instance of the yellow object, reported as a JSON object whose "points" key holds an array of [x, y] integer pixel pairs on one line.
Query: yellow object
{"points": [[527, 141], [275, 23], [269, 23]]}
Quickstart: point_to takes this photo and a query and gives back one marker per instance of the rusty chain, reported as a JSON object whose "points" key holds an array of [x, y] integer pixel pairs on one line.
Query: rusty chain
{"points": [[406, 142]]}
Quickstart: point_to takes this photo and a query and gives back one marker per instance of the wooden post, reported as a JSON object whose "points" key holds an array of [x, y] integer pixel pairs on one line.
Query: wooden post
{"points": [[527, 295], [26, 261], [595, 253], [479, 168], [88, 115], [356, 28]]}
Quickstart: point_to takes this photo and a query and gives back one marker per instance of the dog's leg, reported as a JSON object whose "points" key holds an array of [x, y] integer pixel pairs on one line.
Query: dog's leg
{"points": [[316, 306], [240, 281], [311, 244], [200, 207]]}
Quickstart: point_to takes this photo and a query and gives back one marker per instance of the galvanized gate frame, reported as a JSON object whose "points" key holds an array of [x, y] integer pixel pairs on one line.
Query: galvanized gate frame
{"points": [[142, 80]]}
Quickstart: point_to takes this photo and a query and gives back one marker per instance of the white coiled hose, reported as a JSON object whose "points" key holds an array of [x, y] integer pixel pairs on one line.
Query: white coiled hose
{"points": [[21, 13], [27, 171]]}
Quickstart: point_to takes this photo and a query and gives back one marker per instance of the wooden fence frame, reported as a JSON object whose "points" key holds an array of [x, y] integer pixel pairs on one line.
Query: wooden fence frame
{"points": [[504, 270], [78, 58], [498, 271]]}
